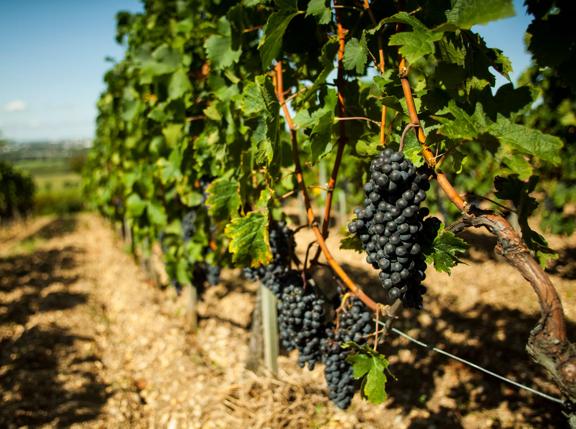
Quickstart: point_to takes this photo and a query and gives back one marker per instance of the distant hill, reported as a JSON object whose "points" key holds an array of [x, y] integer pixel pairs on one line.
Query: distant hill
{"points": [[43, 150]]}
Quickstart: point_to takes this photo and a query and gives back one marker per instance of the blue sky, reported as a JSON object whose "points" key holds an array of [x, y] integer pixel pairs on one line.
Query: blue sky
{"points": [[52, 60]]}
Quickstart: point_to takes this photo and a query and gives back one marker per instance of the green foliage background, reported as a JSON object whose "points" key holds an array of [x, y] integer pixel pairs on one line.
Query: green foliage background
{"points": [[193, 99]]}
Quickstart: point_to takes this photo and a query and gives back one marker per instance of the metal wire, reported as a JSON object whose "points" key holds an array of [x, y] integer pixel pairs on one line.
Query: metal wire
{"points": [[473, 365]]}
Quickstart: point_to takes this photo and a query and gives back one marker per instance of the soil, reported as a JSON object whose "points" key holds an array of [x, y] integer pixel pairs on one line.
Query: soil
{"points": [[87, 340]]}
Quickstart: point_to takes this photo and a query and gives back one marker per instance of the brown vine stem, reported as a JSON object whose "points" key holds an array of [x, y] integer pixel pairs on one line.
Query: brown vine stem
{"points": [[441, 178], [548, 344], [357, 118], [369, 302], [381, 67], [341, 128]]}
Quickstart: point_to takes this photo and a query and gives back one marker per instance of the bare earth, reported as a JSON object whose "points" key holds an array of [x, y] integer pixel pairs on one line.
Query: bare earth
{"points": [[87, 341]]}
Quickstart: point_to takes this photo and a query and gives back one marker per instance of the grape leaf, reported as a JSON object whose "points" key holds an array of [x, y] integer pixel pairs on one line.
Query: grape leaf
{"points": [[172, 133], [179, 84], [271, 43], [527, 140], [252, 101], [135, 205], [415, 44], [444, 250], [466, 13], [370, 366], [463, 125], [223, 197], [351, 242], [163, 60], [321, 135], [156, 213], [219, 47], [361, 364], [249, 239], [319, 9], [356, 54], [374, 387], [329, 51], [413, 150], [182, 272]]}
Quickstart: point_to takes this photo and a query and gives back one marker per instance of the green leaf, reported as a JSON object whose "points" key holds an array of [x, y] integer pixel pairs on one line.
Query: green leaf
{"points": [[164, 60], [361, 364], [517, 163], [271, 43], [462, 126], [371, 366], [319, 9], [182, 272], [131, 107], [413, 150], [527, 140], [356, 54], [223, 197], [351, 242], [329, 51], [249, 239], [445, 249], [252, 102], [371, 147], [219, 47], [466, 13], [135, 205], [415, 44], [375, 385], [320, 123], [156, 214], [172, 134], [179, 84]]}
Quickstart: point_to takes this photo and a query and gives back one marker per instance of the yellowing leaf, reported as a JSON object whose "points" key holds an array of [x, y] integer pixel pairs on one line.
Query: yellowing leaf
{"points": [[249, 239]]}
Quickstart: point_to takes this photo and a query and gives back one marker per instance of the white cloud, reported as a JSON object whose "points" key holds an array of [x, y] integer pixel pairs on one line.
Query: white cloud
{"points": [[15, 106]]}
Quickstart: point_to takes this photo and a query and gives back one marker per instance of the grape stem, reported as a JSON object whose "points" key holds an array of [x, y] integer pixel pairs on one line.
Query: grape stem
{"points": [[381, 67], [340, 82], [279, 85]]}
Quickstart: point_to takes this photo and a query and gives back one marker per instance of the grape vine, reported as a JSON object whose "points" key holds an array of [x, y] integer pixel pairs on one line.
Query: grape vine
{"points": [[254, 94]]}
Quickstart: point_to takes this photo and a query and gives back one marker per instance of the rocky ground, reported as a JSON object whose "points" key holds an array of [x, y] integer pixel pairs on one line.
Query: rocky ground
{"points": [[87, 340]]}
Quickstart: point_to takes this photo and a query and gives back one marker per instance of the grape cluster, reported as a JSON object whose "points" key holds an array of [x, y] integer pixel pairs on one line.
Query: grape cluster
{"points": [[301, 318], [391, 224], [188, 225], [282, 245], [205, 272], [355, 324]]}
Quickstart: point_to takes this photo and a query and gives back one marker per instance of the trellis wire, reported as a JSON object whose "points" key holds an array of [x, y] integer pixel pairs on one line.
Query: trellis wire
{"points": [[473, 365]]}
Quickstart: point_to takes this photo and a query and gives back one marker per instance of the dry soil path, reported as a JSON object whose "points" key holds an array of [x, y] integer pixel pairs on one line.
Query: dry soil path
{"points": [[87, 341]]}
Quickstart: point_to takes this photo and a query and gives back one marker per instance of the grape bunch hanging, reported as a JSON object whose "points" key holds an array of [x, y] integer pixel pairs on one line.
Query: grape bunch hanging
{"points": [[282, 246], [390, 225], [354, 324], [301, 318]]}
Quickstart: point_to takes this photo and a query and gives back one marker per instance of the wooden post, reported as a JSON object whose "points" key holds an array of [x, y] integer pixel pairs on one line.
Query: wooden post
{"points": [[270, 329], [190, 296], [255, 347]]}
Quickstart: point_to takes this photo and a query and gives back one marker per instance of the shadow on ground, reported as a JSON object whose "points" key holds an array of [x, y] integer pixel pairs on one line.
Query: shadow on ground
{"points": [[565, 265], [55, 228], [492, 337], [47, 373]]}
